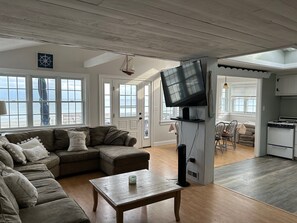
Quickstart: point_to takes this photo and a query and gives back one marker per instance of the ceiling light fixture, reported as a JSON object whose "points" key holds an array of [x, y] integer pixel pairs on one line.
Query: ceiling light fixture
{"points": [[225, 84]]}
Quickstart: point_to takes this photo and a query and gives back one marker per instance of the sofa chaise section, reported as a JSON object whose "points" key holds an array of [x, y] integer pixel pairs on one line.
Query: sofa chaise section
{"points": [[120, 159]]}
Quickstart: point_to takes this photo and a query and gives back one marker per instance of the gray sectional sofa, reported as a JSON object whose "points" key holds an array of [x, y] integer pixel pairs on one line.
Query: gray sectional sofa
{"points": [[109, 150]]}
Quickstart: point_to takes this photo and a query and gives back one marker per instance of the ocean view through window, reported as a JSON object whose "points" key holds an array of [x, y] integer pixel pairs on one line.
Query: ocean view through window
{"points": [[41, 101]]}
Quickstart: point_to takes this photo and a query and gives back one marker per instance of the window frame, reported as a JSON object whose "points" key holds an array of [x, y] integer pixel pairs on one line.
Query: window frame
{"points": [[29, 94], [245, 100], [162, 103]]}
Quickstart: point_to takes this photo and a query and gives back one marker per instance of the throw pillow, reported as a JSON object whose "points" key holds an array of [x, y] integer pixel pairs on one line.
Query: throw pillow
{"points": [[98, 134], [8, 210], [115, 136], [16, 152], [35, 153], [77, 141], [25, 193], [30, 143], [62, 139], [9, 194], [6, 158], [3, 140]]}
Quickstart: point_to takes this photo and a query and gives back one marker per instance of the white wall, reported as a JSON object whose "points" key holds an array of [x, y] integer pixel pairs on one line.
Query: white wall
{"points": [[69, 61]]}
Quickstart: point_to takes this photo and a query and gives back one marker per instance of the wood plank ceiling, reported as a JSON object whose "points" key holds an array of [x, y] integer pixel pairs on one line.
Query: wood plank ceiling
{"points": [[168, 29]]}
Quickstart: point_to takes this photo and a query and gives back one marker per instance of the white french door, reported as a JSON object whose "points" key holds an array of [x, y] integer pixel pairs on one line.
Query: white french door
{"points": [[127, 104]]}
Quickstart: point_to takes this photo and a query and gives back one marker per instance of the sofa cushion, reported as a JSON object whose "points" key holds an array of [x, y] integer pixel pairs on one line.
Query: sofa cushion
{"points": [[98, 135], [35, 171], [6, 158], [77, 141], [23, 190], [48, 190], [62, 139], [51, 161], [63, 210], [16, 152], [115, 136], [122, 155], [46, 137], [68, 157], [8, 212]]}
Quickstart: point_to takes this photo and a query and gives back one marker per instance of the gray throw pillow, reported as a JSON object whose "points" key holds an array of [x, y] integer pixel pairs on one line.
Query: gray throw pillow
{"points": [[16, 152], [77, 141], [115, 137], [25, 193], [8, 212], [6, 158], [9, 194], [98, 134]]}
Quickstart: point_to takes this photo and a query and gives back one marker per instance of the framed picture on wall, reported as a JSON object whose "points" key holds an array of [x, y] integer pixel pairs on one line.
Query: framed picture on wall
{"points": [[45, 60]]}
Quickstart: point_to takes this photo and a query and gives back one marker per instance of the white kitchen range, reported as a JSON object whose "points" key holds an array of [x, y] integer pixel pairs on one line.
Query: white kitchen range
{"points": [[282, 137]]}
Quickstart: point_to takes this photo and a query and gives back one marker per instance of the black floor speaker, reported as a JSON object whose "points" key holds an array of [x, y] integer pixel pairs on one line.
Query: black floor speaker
{"points": [[182, 166]]}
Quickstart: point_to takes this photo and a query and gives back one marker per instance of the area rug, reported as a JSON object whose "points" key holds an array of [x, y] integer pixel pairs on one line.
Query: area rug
{"points": [[268, 179]]}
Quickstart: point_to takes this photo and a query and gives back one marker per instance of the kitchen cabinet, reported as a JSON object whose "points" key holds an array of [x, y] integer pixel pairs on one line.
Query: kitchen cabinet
{"points": [[286, 85]]}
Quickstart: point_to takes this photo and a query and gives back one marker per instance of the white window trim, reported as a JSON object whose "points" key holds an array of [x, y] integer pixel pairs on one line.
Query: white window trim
{"points": [[49, 74]]}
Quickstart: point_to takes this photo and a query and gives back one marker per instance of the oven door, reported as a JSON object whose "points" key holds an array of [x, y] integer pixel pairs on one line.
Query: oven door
{"points": [[280, 136]]}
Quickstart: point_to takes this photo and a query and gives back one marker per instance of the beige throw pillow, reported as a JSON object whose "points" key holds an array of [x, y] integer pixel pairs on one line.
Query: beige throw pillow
{"points": [[25, 193], [30, 143], [16, 152], [36, 153], [77, 141]]}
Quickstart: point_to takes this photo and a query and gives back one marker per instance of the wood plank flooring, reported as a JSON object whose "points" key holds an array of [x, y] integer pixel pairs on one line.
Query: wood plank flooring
{"points": [[204, 204], [269, 179], [232, 156]]}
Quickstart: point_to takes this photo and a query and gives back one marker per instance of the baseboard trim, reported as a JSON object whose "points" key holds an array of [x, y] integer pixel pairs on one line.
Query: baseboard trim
{"points": [[166, 142]]}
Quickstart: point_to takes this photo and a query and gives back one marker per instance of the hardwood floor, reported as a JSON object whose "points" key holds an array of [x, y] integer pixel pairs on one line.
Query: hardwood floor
{"points": [[232, 156], [205, 204]]}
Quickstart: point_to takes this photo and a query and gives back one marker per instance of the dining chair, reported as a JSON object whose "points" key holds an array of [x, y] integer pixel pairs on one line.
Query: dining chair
{"points": [[229, 134], [218, 137]]}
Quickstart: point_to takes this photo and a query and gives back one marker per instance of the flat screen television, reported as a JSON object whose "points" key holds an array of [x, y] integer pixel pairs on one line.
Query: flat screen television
{"points": [[184, 85]]}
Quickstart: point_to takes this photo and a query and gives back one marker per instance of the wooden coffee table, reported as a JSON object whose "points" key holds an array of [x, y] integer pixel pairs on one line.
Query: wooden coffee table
{"points": [[148, 189]]}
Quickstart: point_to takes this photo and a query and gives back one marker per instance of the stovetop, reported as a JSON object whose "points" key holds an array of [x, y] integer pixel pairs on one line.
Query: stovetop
{"points": [[284, 122]]}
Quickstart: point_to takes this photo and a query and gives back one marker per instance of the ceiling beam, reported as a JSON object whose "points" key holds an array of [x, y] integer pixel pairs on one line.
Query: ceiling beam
{"points": [[101, 59]]}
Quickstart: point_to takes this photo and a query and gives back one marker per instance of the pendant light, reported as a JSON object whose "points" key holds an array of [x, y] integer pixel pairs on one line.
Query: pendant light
{"points": [[225, 84]]}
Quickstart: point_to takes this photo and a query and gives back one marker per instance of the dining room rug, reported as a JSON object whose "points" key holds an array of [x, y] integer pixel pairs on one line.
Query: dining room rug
{"points": [[268, 179]]}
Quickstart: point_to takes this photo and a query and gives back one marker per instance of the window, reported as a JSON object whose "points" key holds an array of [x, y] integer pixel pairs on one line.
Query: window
{"points": [[167, 112], [71, 102], [243, 98], [13, 92], [33, 101], [223, 107], [146, 111], [107, 104], [44, 101]]}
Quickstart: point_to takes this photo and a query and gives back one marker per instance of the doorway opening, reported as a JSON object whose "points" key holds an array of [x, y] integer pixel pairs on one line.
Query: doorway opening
{"points": [[236, 100]]}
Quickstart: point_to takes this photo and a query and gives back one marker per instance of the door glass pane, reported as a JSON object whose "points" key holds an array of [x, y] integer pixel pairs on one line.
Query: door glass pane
{"points": [[107, 104], [128, 100], [146, 126]]}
